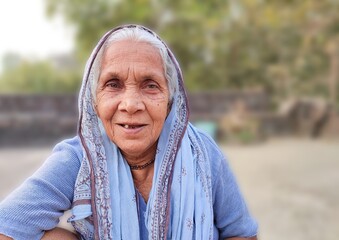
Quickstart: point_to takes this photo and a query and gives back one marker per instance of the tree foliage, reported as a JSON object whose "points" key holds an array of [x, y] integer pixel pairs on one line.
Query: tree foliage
{"points": [[38, 77], [287, 47]]}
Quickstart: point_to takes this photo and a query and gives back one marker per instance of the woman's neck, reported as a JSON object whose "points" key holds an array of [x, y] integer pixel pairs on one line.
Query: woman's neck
{"points": [[143, 181], [141, 159]]}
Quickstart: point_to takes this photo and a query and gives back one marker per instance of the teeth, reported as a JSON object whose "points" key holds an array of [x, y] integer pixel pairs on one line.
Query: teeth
{"points": [[129, 126]]}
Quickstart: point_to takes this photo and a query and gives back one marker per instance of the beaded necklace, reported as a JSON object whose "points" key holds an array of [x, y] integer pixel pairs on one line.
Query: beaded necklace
{"points": [[139, 167]]}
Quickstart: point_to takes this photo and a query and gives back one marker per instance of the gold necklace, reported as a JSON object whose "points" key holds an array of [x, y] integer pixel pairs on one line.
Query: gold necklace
{"points": [[139, 167]]}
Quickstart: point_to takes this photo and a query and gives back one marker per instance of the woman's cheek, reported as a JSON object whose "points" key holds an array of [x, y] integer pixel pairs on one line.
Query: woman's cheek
{"points": [[106, 103]]}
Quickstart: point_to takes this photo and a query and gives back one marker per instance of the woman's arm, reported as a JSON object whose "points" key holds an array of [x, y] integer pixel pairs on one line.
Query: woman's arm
{"points": [[3, 237], [55, 234], [231, 215], [39, 202], [58, 233], [237, 238]]}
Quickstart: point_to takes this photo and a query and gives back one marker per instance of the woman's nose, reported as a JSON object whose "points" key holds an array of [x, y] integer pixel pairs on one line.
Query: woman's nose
{"points": [[131, 102]]}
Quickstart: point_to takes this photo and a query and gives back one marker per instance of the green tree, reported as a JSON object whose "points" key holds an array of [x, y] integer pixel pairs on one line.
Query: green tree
{"points": [[38, 77], [274, 44], [287, 47]]}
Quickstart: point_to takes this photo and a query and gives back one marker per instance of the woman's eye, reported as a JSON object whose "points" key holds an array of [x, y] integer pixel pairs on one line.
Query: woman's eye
{"points": [[151, 85], [113, 84]]}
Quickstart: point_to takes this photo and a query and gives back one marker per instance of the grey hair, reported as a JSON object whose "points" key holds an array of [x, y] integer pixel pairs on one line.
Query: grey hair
{"points": [[137, 34]]}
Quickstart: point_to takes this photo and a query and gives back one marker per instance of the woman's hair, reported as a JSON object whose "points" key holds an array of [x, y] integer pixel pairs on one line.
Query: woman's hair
{"points": [[141, 35]]}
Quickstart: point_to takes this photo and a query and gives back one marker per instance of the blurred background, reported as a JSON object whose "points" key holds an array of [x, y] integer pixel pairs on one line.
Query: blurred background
{"points": [[262, 78]]}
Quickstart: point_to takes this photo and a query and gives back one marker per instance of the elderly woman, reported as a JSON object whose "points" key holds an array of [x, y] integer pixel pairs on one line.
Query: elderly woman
{"points": [[137, 169]]}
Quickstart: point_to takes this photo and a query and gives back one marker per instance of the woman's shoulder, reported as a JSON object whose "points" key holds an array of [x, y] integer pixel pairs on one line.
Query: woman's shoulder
{"points": [[215, 153], [216, 157], [70, 148], [69, 143]]}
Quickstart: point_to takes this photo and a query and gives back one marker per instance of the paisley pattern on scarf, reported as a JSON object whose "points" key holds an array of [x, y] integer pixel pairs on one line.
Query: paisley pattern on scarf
{"points": [[98, 198]]}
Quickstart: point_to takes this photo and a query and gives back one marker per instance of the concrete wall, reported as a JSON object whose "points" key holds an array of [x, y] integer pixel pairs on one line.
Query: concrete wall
{"points": [[37, 119]]}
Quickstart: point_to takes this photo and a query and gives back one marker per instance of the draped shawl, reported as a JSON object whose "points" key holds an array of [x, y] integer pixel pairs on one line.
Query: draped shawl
{"points": [[105, 201]]}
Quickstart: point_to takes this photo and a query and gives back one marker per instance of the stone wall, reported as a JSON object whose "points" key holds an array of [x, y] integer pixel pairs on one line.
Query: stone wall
{"points": [[213, 105], [37, 119], [30, 119]]}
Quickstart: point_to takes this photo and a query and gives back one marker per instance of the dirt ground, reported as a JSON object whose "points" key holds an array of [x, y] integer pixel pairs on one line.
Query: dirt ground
{"points": [[291, 185]]}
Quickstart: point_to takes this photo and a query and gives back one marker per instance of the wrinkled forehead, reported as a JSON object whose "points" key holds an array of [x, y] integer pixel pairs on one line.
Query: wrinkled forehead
{"points": [[124, 58], [119, 48]]}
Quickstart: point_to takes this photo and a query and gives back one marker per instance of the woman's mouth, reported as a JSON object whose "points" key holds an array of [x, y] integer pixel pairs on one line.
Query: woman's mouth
{"points": [[127, 126]]}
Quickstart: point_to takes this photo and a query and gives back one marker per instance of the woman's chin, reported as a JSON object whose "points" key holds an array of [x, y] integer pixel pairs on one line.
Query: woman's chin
{"points": [[138, 151]]}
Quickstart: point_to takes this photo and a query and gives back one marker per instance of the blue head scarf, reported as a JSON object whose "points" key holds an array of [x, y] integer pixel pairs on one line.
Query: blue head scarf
{"points": [[180, 201]]}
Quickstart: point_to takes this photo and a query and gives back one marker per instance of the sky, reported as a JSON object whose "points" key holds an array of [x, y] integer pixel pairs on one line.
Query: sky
{"points": [[25, 29]]}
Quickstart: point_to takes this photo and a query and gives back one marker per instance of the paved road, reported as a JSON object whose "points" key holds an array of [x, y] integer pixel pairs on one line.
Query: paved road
{"points": [[291, 185]]}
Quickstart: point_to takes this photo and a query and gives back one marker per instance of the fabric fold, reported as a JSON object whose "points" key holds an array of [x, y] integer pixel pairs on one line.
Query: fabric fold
{"points": [[80, 212]]}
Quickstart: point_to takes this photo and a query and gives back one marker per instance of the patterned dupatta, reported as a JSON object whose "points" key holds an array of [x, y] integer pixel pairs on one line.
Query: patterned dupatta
{"points": [[180, 201]]}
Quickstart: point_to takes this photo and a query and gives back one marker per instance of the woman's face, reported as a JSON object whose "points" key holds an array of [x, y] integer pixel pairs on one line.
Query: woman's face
{"points": [[132, 97]]}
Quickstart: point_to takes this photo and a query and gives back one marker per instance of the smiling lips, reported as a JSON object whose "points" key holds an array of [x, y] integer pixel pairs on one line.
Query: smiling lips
{"points": [[127, 126]]}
